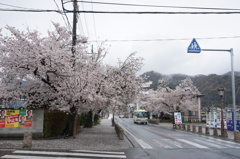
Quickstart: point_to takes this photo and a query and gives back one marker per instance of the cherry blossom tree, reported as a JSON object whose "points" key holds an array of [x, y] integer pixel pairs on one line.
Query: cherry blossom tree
{"points": [[44, 70], [167, 100]]}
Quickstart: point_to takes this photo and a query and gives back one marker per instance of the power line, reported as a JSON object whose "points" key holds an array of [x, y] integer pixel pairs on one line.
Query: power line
{"points": [[173, 39], [13, 6], [94, 25], [110, 12], [155, 6], [150, 12], [66, 23], [85, 22], [30, 10]]}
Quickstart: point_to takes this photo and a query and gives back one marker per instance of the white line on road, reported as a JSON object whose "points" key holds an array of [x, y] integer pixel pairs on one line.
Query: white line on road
{"points": [[140, 141], [68, 154], [210, 144], [37, 157], [193, 144], [220, 143], [161, 144], [229, 142], [174, 143], [103, 152]]}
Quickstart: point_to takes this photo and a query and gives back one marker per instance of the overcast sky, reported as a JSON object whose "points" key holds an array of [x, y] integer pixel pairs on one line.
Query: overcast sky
{"points": [[164, 56]]}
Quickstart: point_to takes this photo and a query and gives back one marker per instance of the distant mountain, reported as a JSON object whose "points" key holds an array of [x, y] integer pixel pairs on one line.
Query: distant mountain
{"points": [[207, 84]]}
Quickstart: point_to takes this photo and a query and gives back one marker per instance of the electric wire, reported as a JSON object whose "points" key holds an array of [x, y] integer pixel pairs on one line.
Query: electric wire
{"points": [[94, 25], [170, 39], [30, 10], [85, 21], [150, 12], [66, 22], [80, 26], [14, 6], [156, 6]]}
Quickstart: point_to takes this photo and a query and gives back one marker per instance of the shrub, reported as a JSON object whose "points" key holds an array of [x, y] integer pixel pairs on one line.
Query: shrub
{"points": [[154, 121], [82, 119], [54, 123], [119, 131]]}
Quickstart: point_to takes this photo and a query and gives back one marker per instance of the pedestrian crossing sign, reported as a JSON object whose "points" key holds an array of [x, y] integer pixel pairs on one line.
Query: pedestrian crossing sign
{"points": [[194, 47]]}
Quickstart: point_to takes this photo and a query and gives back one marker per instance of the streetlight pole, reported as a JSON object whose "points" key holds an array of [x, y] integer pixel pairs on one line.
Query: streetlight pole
{"points": [[221, 94], [195, 48], [233, 83]]}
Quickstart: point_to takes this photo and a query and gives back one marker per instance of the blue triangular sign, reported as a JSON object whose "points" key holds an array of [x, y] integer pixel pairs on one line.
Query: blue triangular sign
{"points": [[194, 47]]}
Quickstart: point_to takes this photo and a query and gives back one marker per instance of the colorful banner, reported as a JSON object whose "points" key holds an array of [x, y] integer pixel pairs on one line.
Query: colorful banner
{"points": [[25, 118], [15, 118], [12, 118], [177, 118]]}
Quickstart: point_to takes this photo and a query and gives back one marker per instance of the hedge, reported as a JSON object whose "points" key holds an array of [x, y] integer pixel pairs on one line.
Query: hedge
{"points": [[154, 121], [54, 123]]}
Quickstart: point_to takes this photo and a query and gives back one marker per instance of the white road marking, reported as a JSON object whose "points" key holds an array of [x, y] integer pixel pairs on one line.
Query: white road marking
{"points": [[68, 154], [193, 144], [37, 157], [210, 144], [161, 144], [174, 143], [140, 141], [103, 152], [226, 145], [229, 142]]}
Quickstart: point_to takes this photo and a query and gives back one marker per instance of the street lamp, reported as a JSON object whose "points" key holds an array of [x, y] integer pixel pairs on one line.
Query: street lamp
{"points": [[221, 94]]}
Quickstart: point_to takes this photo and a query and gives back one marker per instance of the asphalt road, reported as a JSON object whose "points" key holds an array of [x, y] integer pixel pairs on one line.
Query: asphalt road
{"points": [[153, 142]]}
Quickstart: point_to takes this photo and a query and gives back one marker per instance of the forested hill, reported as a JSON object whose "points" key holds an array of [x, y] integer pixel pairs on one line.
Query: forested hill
{"points": [[206, 84]]}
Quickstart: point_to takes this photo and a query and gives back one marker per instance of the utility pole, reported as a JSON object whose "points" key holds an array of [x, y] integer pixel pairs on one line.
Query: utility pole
{"points": [[74, 29], [74, 39]]}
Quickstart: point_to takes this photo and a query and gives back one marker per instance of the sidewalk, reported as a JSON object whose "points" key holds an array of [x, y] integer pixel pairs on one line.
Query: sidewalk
{"points": [[170, 126], [100, 137]]}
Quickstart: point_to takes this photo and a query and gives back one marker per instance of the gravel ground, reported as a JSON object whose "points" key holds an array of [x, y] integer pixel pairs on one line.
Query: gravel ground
{"points": [[100, 137]]}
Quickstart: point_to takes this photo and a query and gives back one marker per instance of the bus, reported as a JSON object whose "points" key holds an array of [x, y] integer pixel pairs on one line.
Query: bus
{"points": [[140, 116]]}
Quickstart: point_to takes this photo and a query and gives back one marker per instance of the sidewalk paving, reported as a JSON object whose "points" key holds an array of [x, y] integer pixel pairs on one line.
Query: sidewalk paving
{"points": [[100, 137], [170, 126]]}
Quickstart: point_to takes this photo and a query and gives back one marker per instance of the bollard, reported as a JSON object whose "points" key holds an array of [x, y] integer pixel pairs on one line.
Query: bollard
{"points": [[194, 128], [215, 132], [207, 131], [27, 139], [188, 127], [183, 126], [179, 126], [236, 135], [200, 129], [174, 126], [225, 134]]}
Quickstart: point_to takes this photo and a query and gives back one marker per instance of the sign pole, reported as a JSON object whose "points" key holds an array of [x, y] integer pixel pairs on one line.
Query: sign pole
{"points": [[195, 48], [233, 92]]}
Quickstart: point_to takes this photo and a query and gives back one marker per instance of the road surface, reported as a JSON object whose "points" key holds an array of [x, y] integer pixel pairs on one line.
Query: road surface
{"points": [[155, 142]]}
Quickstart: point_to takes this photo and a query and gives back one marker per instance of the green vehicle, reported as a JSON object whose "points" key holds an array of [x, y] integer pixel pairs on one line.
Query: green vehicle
{"points": [[140, 116]]}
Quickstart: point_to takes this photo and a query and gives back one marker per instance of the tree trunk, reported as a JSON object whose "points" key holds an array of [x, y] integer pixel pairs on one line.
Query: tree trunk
{"points": [[113, 122], [75, 114], [89, 122], [68, 131]]}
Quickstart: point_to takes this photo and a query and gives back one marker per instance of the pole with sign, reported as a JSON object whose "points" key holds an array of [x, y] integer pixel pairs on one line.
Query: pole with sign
{"points": [[195, 48]]}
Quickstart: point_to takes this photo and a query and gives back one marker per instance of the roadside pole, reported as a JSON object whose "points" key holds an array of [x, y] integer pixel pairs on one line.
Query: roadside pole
{"points": [[195, 48]]}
